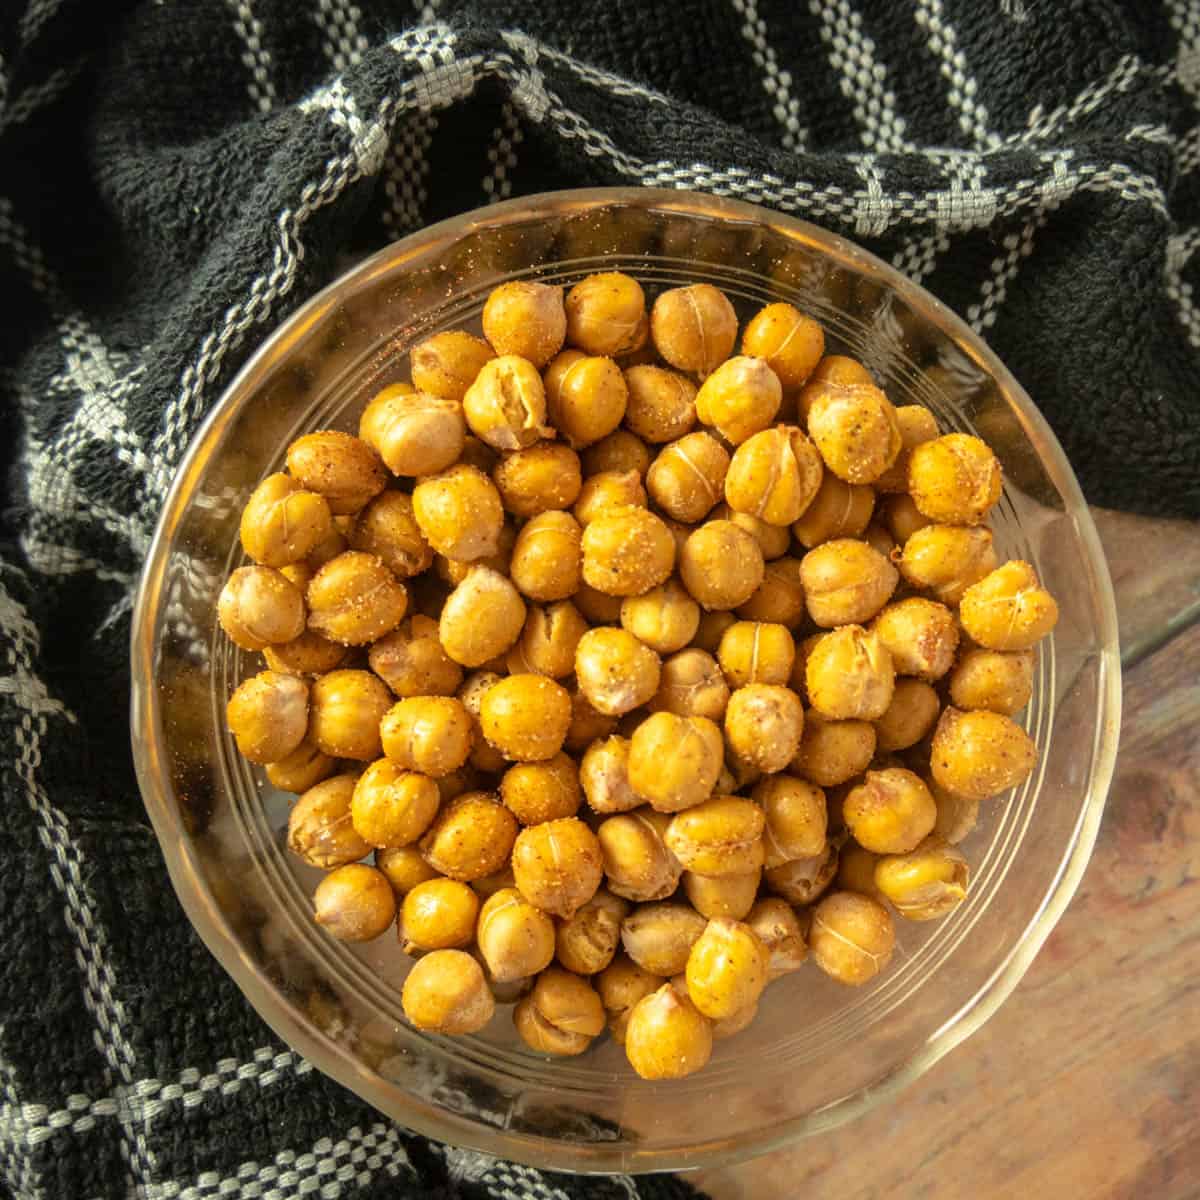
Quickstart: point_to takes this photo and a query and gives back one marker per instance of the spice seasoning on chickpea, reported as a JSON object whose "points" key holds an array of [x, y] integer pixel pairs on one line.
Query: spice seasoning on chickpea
{"points": [[619, 451], [779, 599], [354, 903], [774, 475], [921, 636], [662, 404], [506, 405], [954, 479], [609, 490], [763, 723], [978, 755], [304, 768], [346, 708], [833, 752], [428, 734], [550, 638], [912, 713], [282, 522], [999, 680], [756, 652], [849, 675], [354, 599], [721, 836], [459, 512], [546, 476], [721, 565], [471, 837], [439, 914], [320, 828], [547, 558], [722, 895], [693, 328], [795, 816], [691, 685], [688, 476], [388, 528], [586, 397], [268, 716], [615, 671], [726, 969], [773, 540], [674, 761], [392, 806], [621, 985], [413, 432], [926, 883], [587, 941], [917, 424], [525, 319], [482, 618], [1008, 609], [945, 560], [606, 314], [775, 924], [890, 812], [846, 582], [855, 430], [638, 865], [833, 369], [837, 510], [558, 865], [851, 937], [666, 1037], [741, 397], [664, 618], [260, 607], [446, 992], [604, 776], [561, 1015], [446, 364], [338, 466], [627, 551], [526, 717], [411, 661], [791, 343]]}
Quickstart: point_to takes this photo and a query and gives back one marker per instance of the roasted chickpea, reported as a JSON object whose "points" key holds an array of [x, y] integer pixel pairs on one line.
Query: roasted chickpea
{"points": [[855, 430], [666, 1037], [338, 466], [439, 914], [526, 717], [1008, 609], [428, 734], [320, 828], [910, 716], [550, 638], [457, 783], [947, 559], [664, 618], [411, 661], [460, 513], [586, 397], [606, 314], [587, 941], [561, 1015], [662, 404], [268, 716], [446, 364], [259, 607], [526, 319], [674, 761], [471, 837], [558, 865], [791, 343], [544, 477], [392, 806], [917, 424], [542, 791], [856, 872], [773, 540], [483, 756], [721, 565], [852, 937], [926, 883], [587, 723], [515, 938], [627, 551], [878, 538], [711, 629], [763, 723], [283, 523], [833, 752], [404, 868], [720, 836], [835, 369], [688, 476], [691, 685], [777, 927], [901, 517], [506, 405], [354, 903], [890, 812], [637, 863], [446, 992], [354, 599], [615, 671], [388, 529], [621, 985], [1000, 681], [956, 815], [921, 636], [954, 479], [729, 896], [779, 599], [740, 398], [838, 510], [659, 937], [801, 880], [774, 475], [846, 582], [304, 768], [620, 451], [547, 558], [604, 776], [978, 755], [796, 820], [414, 433], [607, 491], [726, 969], [693, 328], [756, 652], [481, 619], [849, 675]]}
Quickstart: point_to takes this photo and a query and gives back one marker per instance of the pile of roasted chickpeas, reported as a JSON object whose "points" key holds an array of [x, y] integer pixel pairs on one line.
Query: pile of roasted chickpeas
{"points": [[638, 670]]}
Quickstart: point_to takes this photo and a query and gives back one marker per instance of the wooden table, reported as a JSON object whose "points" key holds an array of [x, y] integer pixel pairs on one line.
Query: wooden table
{"points": [[1086, 1084]]}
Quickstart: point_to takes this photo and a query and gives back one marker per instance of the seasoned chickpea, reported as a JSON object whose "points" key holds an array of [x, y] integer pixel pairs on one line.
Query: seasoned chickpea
{"points": [[586, 397], [956, 815], [609, 490], [791, 343], [801, 880], [471, 837], [910, 716], [659, 937], [587, 723], [846, 582], [483, 756], [691, 685], [561, 1015], [391, 806], [849, 675], [722, 895], [711, 629], [260, 607], [775, 924], [460, 513], [835, 369], [838, 510], [756, 652], [741, 397], [878, 538], [1000, 681], [452, 571], [621, 985], [526, 717], [637, 862], [354, 599], [338, 466], [506, 405], [446, 364], [693, 328], [945, 560], [439, 914], [615, 671], [901, 517], [763, 723], [304, 768], [413, 432], [411, 661], [721, 836], [482, 618], [773, 540], [547, 557], [604, 776], [833, 752], [774, 475], [627, 551], [587, 941], [978, 755], [796, 819], [515, 938], [268, 716], [921, 636], [428, 734], [388, 528], [954, 479], [544, 477], [852, 937], [855, 430], [466, 779], [779, 599], [721, 565], [926, 883], [558, 865], [320, 828], [526, 319], [666, 1036], [446, 992], [550, 638], [856, 872], [404, 867], [917, 424], [354, 903], [542, 791], [606, 314], [664, 618], [1008, 609], [283, 523], [726, 969], [890, 812], [674, 761], [688, 476], [620, 451], [662, 404]]}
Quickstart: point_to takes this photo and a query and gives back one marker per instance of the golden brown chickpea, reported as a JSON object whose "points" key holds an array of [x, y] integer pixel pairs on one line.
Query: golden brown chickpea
{"points": [[586, 397], [404, 868], [414, 433], [471, 837], [637, 863], [439, 914], [855, 430], [801, 880], [740, 398], [561, 1015], [428, 734], [852, 937], [946, 560], [796, 819], [268, 716], [756, 652], [282, 523], [300, 574], [917, 424], [621, 985], [452, 571], [458, 783], [763, 724], [856, 872], [354, 903], [558, 865], [304, 768], [320, 828], [978, 755], [954, 479], [661, 405], [659, 937], [666, 1037], [846, 582], [388, 528], [910, 716], [878, 538], [391, 806], [338, 466], [838, 510], [460, 513], [664, 618], [446, 364], [729, 896], [526, 717], [921, 636], [587, 941], [901, 517], [691, 685], [446, 992], [1008, 609], [615, 671], [1000, 681], [411, 661], [627, 551], [777, 927], [779, 599], [688, 476], [620, 451], [721, 836], [483, 757], [544, 477], [849, 675], [354, 599], [726, 969], [482, 618], [890, 812], [926, 883], [506, 405], [833, 752], [526, 319], [550, 638], [547, 557], [791, 343], [609, 490], [710, 631], [587, 723], [835, 369], [693, 328], [956, 815], [604, 776], [606, 314], [515, 938], [773, 540], [774, 475], [260, 607], [479, 455], [674, 761], [543, 791], [721, 565]]}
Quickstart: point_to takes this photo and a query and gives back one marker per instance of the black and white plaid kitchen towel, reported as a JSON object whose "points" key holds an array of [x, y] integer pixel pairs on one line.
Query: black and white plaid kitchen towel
{"points": [[176, 176]]}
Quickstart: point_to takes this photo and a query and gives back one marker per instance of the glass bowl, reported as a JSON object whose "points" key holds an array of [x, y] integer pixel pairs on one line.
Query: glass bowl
{"points": [[819, 1054]]}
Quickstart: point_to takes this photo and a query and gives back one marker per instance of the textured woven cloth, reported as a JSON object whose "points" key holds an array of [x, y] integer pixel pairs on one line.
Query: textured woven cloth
{"points": [[176, 177]]}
